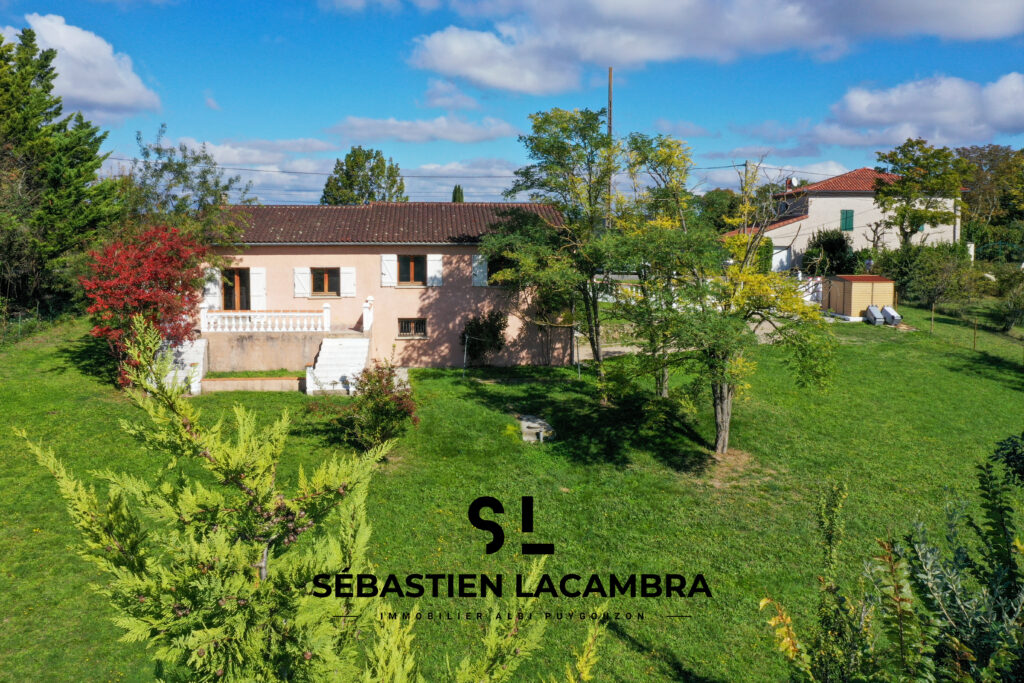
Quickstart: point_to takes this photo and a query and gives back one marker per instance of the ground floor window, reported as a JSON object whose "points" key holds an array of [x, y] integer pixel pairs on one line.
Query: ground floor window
{"points": [[412, 327], [325, 281], [236, 289]]}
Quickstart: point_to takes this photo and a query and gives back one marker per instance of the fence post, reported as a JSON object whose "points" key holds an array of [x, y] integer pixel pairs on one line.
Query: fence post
{"points": [[327, 317], [975, 345]]}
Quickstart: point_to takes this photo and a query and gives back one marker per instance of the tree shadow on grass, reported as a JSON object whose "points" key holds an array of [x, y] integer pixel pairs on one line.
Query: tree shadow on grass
{"points": [[671, 666], [989, 366], [585, 430], [90, 356]]}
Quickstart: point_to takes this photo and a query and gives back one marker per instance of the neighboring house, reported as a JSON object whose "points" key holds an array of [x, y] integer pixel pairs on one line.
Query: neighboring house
{"points": [[385, 281], [846, 202]]}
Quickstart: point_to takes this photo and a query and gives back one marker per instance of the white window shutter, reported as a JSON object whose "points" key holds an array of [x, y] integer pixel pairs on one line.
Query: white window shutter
{"points": [[302, 283], [434, 278], [212, 290], [479, 270], [348, 281], [258, 289], [388, 270]]}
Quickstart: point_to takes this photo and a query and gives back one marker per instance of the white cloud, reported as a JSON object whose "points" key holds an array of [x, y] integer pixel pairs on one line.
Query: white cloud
{"points": [[259, 152], [451, 129], [944, 109], [212, 103], [541, 47], [91, 77], [683, 129], [446, 95]]}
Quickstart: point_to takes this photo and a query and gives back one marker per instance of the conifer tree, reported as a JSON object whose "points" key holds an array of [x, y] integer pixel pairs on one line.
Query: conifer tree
{"points": [[364, 176], [214, 571], [457, 195]]}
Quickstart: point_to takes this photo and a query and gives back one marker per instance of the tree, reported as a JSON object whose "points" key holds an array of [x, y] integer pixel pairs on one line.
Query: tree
{"points": [[211, 562], [574, 159], [996, 184], [53, 204], [829, 252], [716, 205], [925, 191], [182, 187], [364, 176], [157, 275], [939, 274], [457, 196]]}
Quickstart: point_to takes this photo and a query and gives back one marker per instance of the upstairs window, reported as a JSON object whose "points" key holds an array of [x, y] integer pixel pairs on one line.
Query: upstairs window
{"points": [[325, 281], [846, 219], [412, 270], [412, 327]]}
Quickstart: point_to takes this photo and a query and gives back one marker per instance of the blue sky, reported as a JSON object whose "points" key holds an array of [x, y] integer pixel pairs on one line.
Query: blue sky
{"points": [[444, 86]]}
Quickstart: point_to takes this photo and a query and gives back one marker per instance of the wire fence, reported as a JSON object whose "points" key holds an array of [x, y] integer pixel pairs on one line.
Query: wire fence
{"points": [[17, 325]]}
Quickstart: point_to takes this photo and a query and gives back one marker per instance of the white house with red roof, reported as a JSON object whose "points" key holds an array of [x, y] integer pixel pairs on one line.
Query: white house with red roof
{"points": [[846, 202]]}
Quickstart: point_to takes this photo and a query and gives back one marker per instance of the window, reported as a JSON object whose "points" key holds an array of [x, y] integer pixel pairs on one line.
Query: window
{"points": [[325, 281], [412, 270], [846, 219], [412, 327], [236, 289]]}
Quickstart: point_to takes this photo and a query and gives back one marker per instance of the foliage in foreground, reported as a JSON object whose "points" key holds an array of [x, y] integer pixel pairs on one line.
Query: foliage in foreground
{"points": [[214, 572], [930, 613]]}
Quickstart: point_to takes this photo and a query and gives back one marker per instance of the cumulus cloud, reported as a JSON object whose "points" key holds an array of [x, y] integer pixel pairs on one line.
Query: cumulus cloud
{"points": [[448, 128], [91, 76], [943, 109], [541, 47], [446, 95]]}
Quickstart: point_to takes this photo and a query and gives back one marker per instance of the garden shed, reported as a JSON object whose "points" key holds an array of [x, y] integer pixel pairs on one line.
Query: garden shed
{"points": [[849, 296]]}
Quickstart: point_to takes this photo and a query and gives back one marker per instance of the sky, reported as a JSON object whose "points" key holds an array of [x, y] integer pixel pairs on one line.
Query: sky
{"points": [[444, 87]]}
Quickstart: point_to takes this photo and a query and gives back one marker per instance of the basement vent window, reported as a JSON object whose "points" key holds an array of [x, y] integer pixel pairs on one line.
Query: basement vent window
{"points": [[412, 328]]}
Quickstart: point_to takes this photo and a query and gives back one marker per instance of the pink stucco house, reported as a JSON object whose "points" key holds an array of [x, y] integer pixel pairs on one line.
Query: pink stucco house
{"points": [[338, 286]]}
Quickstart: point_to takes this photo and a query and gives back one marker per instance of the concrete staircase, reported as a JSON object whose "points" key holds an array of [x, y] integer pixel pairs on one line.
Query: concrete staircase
{"points": [[340, 359], [188, 364]]}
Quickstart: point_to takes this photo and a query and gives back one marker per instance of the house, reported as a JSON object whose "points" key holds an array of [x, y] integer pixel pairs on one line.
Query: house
{"points": [[338, 286], [846, 202]]}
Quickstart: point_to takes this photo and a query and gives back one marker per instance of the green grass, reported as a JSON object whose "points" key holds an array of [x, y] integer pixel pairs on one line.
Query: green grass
{"points": [[255, 373], [910, 416]]}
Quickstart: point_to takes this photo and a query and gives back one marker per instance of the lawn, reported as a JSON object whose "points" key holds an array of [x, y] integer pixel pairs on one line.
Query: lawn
{"points": [[911, 415]]}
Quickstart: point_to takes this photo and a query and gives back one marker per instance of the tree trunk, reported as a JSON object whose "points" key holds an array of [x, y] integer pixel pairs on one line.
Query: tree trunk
{"points": [[591, 305], [721, 395], [661, 382]]}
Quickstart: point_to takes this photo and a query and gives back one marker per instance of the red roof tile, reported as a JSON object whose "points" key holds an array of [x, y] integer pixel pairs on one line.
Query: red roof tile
{"points": [[771, 226], [859, 180], [379, 223]]}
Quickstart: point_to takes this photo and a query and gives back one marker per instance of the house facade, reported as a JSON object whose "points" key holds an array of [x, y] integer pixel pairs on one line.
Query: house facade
{"points": [[846, 202], [384, 281]]}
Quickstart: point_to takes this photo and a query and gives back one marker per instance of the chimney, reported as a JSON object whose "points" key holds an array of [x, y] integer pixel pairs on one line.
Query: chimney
{"points": [[789, 183]]}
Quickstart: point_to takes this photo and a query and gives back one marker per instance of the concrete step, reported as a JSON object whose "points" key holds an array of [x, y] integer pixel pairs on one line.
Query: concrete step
{"points": [[337, 363]]}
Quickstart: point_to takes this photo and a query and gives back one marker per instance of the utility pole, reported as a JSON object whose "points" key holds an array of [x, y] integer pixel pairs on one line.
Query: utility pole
{"points": [[610, 176]]}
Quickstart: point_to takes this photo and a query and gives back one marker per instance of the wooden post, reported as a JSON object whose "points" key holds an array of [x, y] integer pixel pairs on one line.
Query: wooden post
{"points": [[931, 330], [975, 344]]}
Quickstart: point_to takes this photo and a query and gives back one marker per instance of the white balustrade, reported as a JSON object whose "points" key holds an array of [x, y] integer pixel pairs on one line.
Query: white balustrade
{"points": [[265, 321]]}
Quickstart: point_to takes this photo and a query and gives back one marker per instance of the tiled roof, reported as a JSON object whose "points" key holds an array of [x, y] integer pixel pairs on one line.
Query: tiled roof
{"points": [[378, 223], [859, 180], [771, 226]]}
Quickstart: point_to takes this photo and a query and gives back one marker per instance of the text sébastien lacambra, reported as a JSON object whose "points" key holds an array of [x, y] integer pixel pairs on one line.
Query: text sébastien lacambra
{"points": [[415, 585]]}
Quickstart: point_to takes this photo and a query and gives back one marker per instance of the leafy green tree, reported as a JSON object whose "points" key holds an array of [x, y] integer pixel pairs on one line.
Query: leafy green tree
{"points": [[182, 187], [716, 205], [53, 204], [996, 183], [364, 176], [829, 252], [457, 195], [573, 160], [926, 190]]}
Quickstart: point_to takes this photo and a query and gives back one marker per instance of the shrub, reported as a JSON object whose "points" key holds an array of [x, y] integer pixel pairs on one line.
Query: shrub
{"points": [[380, 410], [1010, 452], [829, 252], [484, 335], [765, 251], [1011, 308], [157, 274]]}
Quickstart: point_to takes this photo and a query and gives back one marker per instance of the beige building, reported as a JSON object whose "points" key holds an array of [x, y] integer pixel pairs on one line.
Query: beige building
{"points": [[846, 202]]}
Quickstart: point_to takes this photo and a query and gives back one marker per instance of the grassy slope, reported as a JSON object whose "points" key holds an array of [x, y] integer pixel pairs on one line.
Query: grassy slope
{"points": [[911, 415]]}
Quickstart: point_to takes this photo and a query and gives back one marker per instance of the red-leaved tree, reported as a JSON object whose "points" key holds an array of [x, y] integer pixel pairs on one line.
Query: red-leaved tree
{"points": [[157, 274]]}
